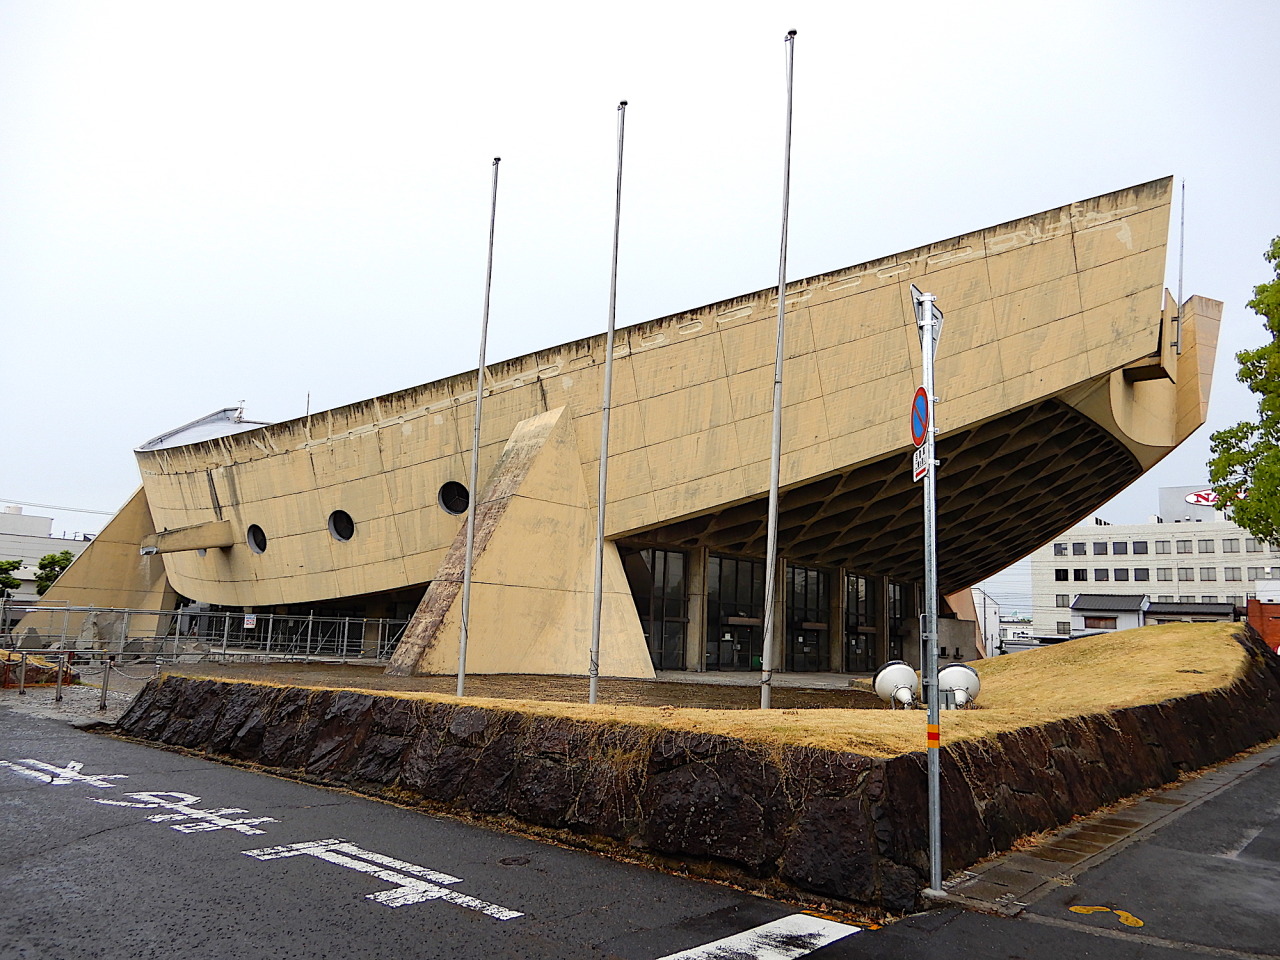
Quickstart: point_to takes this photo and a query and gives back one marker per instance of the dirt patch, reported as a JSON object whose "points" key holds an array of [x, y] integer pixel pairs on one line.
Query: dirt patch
{"points": [[637, 693]]}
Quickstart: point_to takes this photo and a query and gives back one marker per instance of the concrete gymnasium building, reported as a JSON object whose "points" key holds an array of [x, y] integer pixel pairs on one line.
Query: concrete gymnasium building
{"points": [[1065, 370]]}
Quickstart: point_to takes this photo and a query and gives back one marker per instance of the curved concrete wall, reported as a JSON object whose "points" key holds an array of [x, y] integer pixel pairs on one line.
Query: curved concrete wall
{"points": [[835, 824]]}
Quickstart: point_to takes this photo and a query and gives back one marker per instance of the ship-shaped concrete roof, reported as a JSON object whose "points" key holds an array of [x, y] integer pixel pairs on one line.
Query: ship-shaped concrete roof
{"points": [[1057, 373]]}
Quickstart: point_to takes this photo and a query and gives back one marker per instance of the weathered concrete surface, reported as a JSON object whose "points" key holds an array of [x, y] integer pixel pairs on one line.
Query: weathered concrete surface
{"points": [[529, 616], [835, 824]]}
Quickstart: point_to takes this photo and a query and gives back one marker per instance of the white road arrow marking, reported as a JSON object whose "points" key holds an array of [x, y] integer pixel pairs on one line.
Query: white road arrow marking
{"points": [[183, 805], [412, 883], [39, 770]]}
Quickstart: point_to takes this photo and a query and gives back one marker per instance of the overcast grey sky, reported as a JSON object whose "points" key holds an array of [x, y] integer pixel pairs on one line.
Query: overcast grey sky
{"points": [[210, 203]]}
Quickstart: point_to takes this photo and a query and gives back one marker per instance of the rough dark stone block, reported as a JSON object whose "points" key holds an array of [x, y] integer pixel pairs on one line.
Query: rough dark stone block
{"points": [[608, 799], [434, 769], [197, 715], [545, 784], [905, 806], [339, 735], [674, 748], [284, 737], [832, 850], [713, 804], [813, 774], [393, 724], [472, 726], [239, 702], [141, 706], [245, 740], [487, 783], [1125, 753], [963, 846], [542, 791], [150, 723], [899, 887]]}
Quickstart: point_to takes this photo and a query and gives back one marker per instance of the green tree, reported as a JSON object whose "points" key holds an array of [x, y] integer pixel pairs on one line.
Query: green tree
{"points": [[50, 568], [8, 582], [1245, 465]]}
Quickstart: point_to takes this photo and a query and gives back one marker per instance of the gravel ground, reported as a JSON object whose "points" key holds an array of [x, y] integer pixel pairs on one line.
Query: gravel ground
{"points": [[79, 705]]}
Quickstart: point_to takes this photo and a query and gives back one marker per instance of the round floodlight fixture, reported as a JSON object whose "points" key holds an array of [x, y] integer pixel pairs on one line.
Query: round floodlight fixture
{"points": [[963, 682], [896, 683]]}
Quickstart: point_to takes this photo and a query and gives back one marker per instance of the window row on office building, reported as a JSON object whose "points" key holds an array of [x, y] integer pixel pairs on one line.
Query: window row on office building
{"points": [[1184, 574], [1194, 561], [1121, 548]]}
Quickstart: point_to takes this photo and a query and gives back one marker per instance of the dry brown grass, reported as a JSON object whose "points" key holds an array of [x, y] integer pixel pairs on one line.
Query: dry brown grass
{"points": [[1076, 678]]}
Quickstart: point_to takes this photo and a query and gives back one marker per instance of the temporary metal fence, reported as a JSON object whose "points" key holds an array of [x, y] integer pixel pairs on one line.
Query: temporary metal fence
{"points": [[160, 636]]}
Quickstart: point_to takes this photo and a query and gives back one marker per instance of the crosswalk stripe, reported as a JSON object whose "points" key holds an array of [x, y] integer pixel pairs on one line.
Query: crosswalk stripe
{"points": [[784, 939]]}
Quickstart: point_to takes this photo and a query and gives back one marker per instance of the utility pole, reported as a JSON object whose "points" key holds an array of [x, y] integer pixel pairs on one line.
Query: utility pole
{"points": [[925, 466]]}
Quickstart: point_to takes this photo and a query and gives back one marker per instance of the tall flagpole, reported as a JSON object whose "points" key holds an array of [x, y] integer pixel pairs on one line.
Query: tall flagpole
{"points": [[475, 446], [604, 419], [775, 459], [1182, 249]]}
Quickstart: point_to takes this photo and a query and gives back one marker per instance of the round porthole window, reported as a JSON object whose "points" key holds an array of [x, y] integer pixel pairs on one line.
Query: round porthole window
{"points": [[256, 539], [341, 526], [454, 498]]}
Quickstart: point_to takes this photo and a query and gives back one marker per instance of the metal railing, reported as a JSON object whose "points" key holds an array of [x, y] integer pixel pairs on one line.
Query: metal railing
{"points": [[168, 636], [66, 669]]}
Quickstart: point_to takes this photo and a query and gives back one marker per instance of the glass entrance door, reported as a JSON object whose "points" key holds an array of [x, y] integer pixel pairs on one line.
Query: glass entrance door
{"points": [[735, 610], [737, 647], [807, 610], [806, 651], [901, 611], [861, 614]]}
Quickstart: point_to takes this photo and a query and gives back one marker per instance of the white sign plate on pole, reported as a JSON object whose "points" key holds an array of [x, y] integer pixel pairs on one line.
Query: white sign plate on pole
{"points": [[919, 464]]}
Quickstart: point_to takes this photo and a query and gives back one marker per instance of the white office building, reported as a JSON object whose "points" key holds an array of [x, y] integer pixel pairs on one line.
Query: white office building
{"points": [[1187, 554], [28, 538]]}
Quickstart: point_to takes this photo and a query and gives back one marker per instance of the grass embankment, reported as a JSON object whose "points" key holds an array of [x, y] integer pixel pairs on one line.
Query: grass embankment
{"points": [[1075, 678]]}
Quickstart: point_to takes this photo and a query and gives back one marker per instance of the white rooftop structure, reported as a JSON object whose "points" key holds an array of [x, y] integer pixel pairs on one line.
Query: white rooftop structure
{"points": [[221, 423]]}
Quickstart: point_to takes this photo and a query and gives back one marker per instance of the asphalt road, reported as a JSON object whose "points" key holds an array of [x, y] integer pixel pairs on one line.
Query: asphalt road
{"points": [[116, 850]]}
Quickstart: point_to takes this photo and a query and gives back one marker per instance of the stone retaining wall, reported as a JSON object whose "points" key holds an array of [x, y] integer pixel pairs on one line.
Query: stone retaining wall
{"points": [[835, 824]]}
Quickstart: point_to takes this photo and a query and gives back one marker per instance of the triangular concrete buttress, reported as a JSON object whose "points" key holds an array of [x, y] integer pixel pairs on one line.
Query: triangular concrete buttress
{"points": [[533, 575]]}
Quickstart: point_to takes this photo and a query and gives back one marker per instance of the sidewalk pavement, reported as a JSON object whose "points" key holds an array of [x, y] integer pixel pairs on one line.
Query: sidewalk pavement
{"points": [[1006, 885]]}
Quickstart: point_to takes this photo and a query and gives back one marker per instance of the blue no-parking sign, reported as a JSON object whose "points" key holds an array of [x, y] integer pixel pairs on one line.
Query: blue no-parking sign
{"points": [[919, 416]]}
